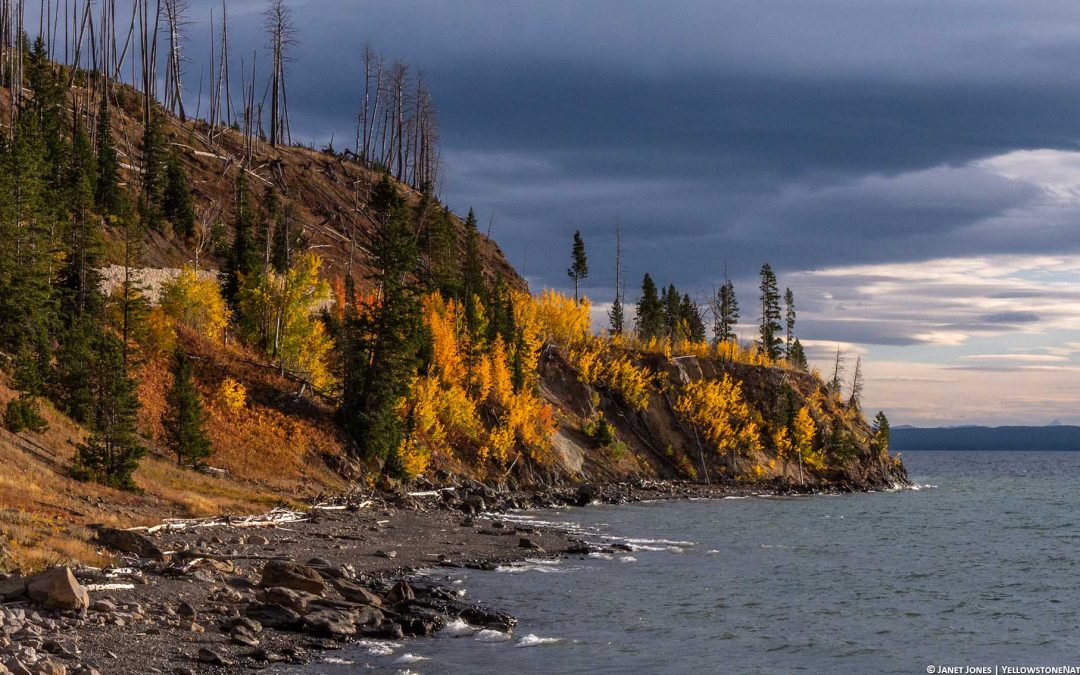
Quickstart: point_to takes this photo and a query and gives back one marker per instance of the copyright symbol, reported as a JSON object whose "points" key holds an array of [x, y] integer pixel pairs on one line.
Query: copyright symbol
{"points": [[930, 669]]}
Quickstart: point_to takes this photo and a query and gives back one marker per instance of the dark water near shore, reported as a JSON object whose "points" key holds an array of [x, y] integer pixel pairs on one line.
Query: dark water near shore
{"points": [[979, 567]]}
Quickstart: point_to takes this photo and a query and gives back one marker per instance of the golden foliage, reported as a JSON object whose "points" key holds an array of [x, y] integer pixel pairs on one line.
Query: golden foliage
{"points": [[804, 431], [717, 409], [196, 303], [231, 395]]}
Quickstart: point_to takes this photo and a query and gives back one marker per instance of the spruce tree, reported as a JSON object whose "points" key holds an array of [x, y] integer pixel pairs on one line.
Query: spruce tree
{"points": [[672, 310], [579, 263], [185, 433], [112, 452], [472, 278], [153, 172], [882, 432], [690, 317], [616, 318], [107, 195], [650, 313], [789, 321], [176, 204], [388, 341], [80, 280], [797, 358], [726, 313], [769, 327], [243, 260]]}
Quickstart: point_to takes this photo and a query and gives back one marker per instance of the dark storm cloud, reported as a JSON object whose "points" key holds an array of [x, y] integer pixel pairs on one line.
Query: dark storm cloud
{"points": [[808, 134]]}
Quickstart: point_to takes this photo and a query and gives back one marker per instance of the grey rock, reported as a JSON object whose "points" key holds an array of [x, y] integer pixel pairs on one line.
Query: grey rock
{"points": [[331, 623], [127, 541], [401, 592], [298, 601], [214, 657], [58, 589], [274, 616], [356, 593]]}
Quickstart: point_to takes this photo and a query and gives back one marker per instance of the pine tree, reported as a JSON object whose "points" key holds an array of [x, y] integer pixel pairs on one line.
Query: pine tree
{"points": [[650, 312], [836, 382], [185, 433], [243, 259], [579, 264], [80, 280], [855, 399], [616, 318], [798, 355], [288, 239], [107, 196], [153, 172], [671, 310], [769, 328], [726, 313], [472, 278], [176, 204], [388, 340], [882, 432], [690, 317], [112, 452], [789, 322]]}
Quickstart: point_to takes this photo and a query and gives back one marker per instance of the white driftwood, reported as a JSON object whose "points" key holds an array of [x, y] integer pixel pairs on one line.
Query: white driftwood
{"points": [[109, 587]]}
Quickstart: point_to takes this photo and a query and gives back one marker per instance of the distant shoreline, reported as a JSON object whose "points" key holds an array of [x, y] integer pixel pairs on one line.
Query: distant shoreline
{"points": [[1004, 438]]}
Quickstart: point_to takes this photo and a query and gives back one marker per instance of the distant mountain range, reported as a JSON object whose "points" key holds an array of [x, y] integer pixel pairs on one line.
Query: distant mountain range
{"points": [[1053, 437]]}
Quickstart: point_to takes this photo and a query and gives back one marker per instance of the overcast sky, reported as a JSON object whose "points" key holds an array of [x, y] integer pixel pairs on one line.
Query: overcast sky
{"points": [[910, 169]]}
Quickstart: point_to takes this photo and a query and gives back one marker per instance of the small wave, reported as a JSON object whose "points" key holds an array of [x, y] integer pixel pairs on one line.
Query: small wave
{"points": [[336, 661], [600, 554], [518, 568], [736, 497], [459, 627], [532, 640], [628, 558], [488, 635], [713, 551], [410, 658], [377, 648]]}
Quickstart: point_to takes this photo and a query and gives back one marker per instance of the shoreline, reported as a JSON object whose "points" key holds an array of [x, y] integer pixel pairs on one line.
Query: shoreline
{"points": [[189, 596]]}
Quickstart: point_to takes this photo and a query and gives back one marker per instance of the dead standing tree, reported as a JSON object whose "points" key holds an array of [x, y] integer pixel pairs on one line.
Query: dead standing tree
{"points": [[278, 17], [175, 17]]}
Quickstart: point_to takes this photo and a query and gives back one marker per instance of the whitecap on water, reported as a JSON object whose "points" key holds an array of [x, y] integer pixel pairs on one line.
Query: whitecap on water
{"points": [[334, 660], [488, 635], [628, 558], [532, 640], [459, 627], [377, 647], [600, 554], [410, 658]]}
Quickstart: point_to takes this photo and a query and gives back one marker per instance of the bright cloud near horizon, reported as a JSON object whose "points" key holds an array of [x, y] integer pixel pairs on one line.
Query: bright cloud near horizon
{"points": [[910, 168]]}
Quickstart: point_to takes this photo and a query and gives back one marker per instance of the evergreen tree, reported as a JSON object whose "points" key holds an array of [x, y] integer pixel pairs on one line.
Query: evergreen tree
{"points": [[690, 317], [185, 433], [882, 432], [472, 277], [176, 204], [726, 313], [80, 280], [243, 259], [769, 328], [672, 310], [288, 240], [616, 319], [579, 264], [153, 172], [46, 105], [789, 321], [388, 341], [107, 195], [650, 312], [797, 357], [112, 452]]}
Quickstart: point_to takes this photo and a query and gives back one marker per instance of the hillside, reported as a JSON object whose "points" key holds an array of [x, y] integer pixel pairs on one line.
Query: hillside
{"points": [[501, 387]]}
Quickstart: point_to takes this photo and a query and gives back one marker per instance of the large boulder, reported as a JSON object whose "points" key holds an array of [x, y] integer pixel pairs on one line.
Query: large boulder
{"points": [[297, 601], [331, 623], [292, 575], [126, 541], [356, 593], [274, 616], [12, 588], [58, 589]]}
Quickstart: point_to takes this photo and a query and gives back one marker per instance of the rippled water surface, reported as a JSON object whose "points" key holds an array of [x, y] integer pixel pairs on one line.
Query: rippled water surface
{"points": [[978, 567]]}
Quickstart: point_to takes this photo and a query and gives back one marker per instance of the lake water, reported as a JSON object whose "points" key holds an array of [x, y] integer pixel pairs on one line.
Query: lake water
{"points": [[978, 567]]}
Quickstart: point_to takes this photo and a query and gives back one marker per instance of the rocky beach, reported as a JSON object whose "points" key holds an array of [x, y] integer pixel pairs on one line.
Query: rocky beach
{"points": [[217, 595]]}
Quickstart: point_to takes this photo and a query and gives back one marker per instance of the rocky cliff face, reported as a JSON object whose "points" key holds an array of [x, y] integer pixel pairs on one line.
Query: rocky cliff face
{"points": [[658, 442]]}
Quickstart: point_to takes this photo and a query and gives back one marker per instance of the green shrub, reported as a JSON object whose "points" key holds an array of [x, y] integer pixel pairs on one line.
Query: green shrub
{"points": [[22, 414]]}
